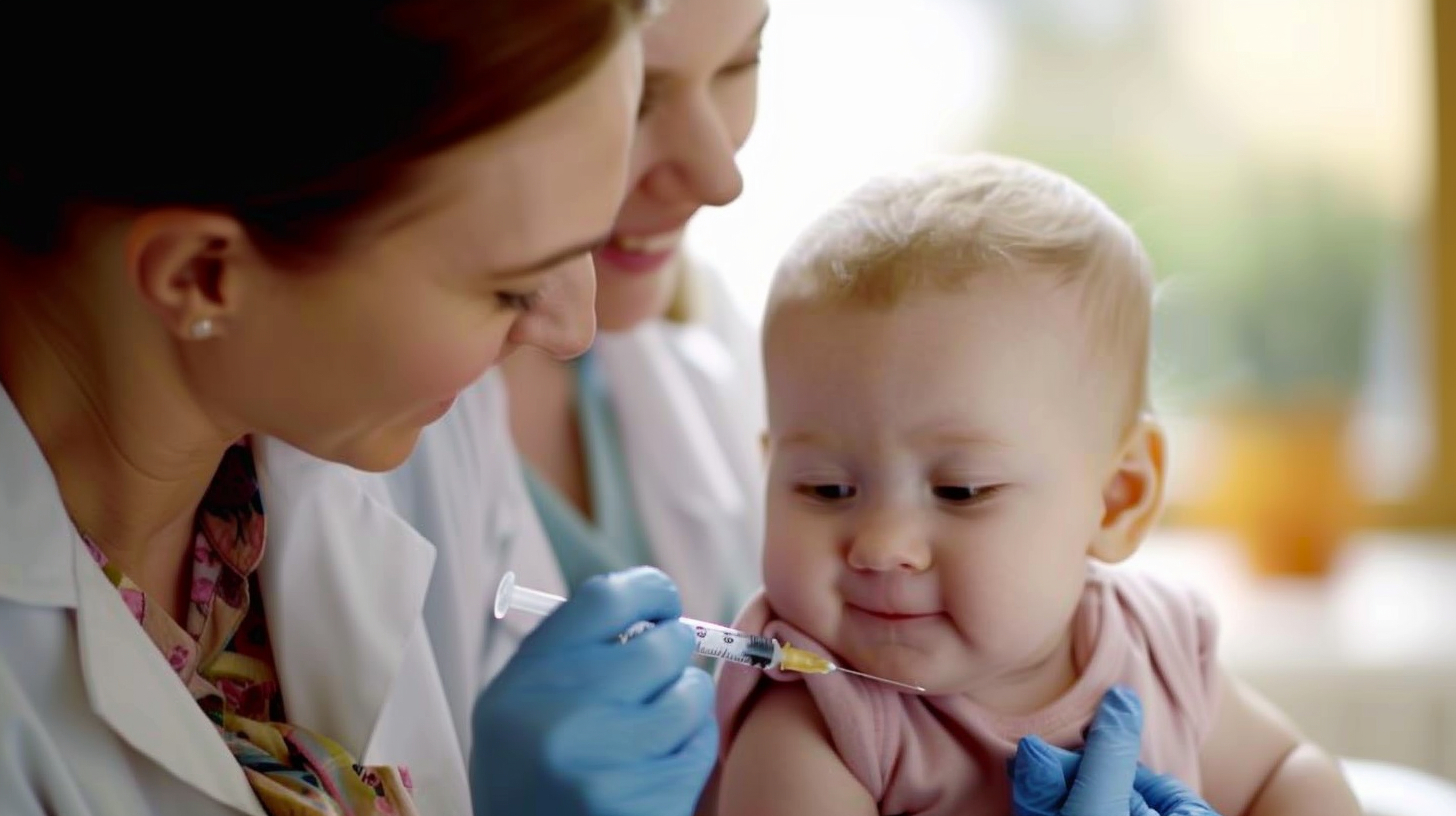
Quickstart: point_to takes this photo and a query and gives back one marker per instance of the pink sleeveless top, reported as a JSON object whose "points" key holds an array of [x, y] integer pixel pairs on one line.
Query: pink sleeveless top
{"points": [[935, 756]]}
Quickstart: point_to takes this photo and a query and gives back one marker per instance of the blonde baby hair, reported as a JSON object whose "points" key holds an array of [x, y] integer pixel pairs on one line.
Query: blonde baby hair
{"points": [[940, 225]]}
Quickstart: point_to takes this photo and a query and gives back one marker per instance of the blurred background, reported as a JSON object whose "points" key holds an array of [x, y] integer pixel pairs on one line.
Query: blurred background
{"points": [[1281, 159]]}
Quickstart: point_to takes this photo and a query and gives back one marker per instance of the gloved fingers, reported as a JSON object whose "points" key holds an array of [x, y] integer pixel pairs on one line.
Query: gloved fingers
{"points": [[667, 786], [1110, 758], [1168, 796], [680, 713], [1069, 760], [613, 672], [1038, 779], [603, 608], [608, 736], [690, 766], [1138, 806]]}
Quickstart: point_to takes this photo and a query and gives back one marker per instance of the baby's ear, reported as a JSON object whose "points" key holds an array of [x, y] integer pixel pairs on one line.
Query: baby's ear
{"points": [[1133, 493]]}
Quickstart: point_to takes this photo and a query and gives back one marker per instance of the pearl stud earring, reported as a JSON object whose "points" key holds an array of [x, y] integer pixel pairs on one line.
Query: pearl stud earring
{"points": [[201, 329]]}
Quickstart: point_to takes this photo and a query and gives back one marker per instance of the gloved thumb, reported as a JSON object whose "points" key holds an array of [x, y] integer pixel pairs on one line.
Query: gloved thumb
{"points": [[1104, 781], [1038, 778], [1167, 796]]}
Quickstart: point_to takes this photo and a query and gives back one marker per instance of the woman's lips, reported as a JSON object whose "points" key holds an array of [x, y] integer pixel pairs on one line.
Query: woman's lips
{"points": [[648, 243], [643, 253]]}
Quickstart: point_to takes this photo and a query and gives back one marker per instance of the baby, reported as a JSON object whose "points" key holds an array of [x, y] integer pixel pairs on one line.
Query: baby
{"points": [[959, 445]]}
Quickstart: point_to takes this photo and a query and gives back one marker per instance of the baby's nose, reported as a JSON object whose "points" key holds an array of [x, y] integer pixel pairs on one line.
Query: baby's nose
{"points": [[889, 544]]}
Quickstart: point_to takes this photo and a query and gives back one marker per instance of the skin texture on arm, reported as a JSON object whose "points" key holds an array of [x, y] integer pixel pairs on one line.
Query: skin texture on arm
{"points": [[783, 764], [1255, 763]]}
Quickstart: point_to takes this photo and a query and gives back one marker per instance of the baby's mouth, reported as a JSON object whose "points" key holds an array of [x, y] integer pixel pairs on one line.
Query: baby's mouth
{"points": [[893, 615]]}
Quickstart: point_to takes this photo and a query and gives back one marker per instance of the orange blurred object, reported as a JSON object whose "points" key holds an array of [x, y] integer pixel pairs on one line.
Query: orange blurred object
{"points": [[1283, 485]]}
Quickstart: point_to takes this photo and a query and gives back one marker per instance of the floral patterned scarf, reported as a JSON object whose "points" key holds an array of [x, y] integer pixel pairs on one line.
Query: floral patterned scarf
{"points": [[222, 654]]}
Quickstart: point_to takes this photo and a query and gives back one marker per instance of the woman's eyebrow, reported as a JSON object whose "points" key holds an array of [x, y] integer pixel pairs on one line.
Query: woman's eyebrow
{"points": [[557, 257]]}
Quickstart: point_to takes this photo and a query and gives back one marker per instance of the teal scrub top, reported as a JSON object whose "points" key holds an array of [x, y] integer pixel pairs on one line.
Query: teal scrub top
{"points": [[613, 538]]}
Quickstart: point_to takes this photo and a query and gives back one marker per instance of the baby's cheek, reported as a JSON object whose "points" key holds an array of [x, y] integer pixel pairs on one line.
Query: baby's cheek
{"points": [[990, 594], [1010, 620], [799, 581]]}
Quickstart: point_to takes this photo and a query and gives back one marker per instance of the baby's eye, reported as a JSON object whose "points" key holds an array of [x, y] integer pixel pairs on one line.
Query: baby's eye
{"points": [[518, 301], [963, 494], [826, 492]]}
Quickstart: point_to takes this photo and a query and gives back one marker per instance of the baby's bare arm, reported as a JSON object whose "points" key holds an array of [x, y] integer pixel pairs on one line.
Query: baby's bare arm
{"points": [[783, 764], [1255, 763]]}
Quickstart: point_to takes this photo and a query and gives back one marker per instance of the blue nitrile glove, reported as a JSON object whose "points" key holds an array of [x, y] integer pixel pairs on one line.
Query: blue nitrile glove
{"points": [[580, 724], [1164, 795], [1104, 779]]}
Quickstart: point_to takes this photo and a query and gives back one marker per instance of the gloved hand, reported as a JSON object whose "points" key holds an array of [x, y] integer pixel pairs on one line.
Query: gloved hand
{"points": [[580, 724], [1104, 779]]}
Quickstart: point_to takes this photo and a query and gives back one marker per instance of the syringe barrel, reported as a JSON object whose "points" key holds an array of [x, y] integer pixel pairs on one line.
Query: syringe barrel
{"points": [[710, 639], [723, 643]]}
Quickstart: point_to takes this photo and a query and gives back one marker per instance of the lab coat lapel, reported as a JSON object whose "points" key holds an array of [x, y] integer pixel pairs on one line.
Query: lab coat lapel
{"points": [[517, 530], [36, 565], [684, 485], [349, 578], [128, 683], [138, 694]]}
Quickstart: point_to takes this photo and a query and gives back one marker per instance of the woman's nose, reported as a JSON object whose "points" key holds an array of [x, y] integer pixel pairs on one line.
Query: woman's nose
{"points": [[699, 154], [563, 322]]}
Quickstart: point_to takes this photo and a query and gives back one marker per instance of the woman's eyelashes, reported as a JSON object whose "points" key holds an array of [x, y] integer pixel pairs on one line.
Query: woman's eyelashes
{"points": [[651, 94], [741, 66], [519, 301]]}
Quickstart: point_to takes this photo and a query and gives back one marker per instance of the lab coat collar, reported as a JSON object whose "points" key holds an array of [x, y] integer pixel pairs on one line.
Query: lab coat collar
{"points": [[349, 578], [675, 454], [138, 694], [512, 526], [35, 566], [128, 683]]}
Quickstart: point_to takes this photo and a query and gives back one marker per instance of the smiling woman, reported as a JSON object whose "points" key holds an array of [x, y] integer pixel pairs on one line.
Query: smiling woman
{"points": [[644, 451]]}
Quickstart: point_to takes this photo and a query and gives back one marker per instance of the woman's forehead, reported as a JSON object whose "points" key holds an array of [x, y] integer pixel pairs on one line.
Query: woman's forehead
{"points": [[549, 181], [693, 32]]}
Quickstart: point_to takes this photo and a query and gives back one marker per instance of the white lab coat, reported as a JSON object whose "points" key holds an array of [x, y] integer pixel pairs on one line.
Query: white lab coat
{"points": [[93, 720], [689, 402]]}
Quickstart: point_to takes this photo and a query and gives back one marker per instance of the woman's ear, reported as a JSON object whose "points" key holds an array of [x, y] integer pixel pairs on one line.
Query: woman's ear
{"points": [[1132, 494], [182, 263]]}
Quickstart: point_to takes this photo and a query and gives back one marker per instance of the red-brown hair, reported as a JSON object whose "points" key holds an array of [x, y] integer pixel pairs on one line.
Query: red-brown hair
{"points": [[295, 116]]}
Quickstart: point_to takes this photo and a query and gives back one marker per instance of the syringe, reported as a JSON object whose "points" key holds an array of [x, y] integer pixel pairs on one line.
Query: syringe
{"points": [[718, 642]]}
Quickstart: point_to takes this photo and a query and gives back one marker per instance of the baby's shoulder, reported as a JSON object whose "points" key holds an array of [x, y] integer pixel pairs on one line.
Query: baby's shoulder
{"points": [[785, 760], [1169, 649], [1166, 610]]}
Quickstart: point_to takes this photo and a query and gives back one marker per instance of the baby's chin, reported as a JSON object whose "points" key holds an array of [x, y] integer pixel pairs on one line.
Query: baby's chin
{"points": [[957, 669], [902, 663], [1011, 680]]}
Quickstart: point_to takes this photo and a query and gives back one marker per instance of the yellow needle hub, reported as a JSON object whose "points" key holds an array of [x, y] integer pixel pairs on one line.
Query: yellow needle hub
{"points": [[804, 662]]}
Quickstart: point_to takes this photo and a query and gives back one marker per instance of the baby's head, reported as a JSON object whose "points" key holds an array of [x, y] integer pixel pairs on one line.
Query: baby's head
{"points": [[956, 362]]}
